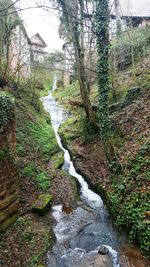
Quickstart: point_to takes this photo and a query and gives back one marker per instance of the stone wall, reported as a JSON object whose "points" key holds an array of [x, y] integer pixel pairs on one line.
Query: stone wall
{"points": [[9, 204]]}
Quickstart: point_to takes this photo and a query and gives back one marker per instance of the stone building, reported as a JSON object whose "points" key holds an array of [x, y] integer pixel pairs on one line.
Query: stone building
{"points": [[14, 44], [37, 48], [132, 14], [19, 53]]}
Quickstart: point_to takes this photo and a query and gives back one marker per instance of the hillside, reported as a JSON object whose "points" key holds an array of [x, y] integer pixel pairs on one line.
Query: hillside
{"points": [[41, 170], [38, 159], [127, 192]]}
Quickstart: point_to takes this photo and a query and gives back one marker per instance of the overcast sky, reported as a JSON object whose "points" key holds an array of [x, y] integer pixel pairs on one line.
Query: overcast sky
{"points": [[44, 22]]}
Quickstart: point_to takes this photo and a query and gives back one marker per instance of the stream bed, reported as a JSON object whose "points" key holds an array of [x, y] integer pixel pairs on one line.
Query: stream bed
{"points": [[88, 229]]}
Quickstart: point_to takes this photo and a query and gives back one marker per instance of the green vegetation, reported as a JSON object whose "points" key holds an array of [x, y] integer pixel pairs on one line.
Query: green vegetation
{"points": [[129, 198], [127, 193], [4, 154], [26, 232], [43, 181], [122, 46], [36, 143], [42, 204], [47, 87], [44, 138], [130, 55], [71, 91], [6, 111], [57, 160]]}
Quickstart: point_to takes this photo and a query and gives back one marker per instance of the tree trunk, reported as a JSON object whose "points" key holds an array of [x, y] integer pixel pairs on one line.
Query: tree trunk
{"points": [[118, 17], [73, 11], [102, 36]]}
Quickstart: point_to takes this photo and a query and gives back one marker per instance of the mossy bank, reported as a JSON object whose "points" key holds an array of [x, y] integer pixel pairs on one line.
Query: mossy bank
{"points": [[126, 193], [39, 159]]}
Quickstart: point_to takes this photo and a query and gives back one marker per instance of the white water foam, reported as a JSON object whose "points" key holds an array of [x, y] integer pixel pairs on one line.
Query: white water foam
{"points": [[92, 199], [57, 117]]}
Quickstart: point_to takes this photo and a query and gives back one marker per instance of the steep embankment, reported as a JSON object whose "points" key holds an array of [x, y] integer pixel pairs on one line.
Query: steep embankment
{"points": [[38, 159], [127, 194]]}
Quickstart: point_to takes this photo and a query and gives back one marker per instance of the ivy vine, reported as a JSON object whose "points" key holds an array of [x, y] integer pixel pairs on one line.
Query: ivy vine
{"points": [[6, 112], [101, 22]]}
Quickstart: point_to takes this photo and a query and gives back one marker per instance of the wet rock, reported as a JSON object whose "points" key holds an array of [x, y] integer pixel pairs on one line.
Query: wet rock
{"points": [[79, 258], [97, 261], [42, 204], [103, 250]]}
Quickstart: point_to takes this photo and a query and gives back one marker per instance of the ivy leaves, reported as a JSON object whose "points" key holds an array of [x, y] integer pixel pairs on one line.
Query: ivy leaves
{"points": [[6, 112]]}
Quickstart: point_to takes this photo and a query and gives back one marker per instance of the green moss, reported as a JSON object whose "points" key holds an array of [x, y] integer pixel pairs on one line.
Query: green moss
{"points": [[4, 225], [122, 46], [29, 170], [6, 111], [63, 95], [71, 129], [44, 138], [36, 144], [42, 204], [43, 180], [129, 198], [57, 160], [4, 154]]}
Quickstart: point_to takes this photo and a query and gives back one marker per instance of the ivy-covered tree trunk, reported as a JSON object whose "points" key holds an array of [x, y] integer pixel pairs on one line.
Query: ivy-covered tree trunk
{"points": [[73, 14], [102, 36]]}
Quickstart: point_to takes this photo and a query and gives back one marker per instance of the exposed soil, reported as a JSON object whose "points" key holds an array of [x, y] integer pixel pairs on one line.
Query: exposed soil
{"points": [[91, 161]]}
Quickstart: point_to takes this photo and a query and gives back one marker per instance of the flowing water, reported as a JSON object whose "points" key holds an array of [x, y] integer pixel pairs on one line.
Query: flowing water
{"points": [[80, 233]]}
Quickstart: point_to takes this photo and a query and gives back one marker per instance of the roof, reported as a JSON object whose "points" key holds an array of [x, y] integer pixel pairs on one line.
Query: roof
{"points": [[134, 8], [128, 8], [37, 40]]}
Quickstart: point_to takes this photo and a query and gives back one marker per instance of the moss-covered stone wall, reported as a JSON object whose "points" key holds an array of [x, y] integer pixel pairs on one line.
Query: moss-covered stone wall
{"points": [[8, 171]]}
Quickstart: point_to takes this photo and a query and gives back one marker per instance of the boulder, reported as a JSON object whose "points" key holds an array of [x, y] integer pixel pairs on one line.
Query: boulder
{"points": [[103, 250], [57, 160], [42, 204]]}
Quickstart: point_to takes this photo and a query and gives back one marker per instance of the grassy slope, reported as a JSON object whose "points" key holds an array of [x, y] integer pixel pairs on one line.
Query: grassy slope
{"points": [[27, 241], [39, 159]]}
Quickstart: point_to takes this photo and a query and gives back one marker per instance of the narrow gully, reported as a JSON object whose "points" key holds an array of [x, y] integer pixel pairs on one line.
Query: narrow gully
{"points": [[80, 234]]}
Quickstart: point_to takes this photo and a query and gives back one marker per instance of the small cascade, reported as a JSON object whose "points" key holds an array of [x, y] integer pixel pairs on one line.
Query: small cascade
{"points": [[57, 117], [54, 86], [80, 234], [90, 216]]}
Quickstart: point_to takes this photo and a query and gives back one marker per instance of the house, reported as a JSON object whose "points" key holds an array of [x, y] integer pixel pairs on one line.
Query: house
{"points": [[37, 48], [14, 45], [132, 13], [19, 52]]}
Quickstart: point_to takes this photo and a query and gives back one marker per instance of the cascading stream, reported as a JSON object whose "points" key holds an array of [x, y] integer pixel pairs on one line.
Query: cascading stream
{"points": [[57, 117], [80, 234], [91, 213]]}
